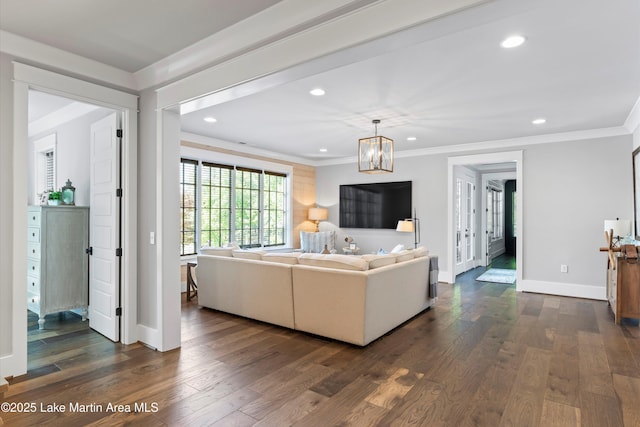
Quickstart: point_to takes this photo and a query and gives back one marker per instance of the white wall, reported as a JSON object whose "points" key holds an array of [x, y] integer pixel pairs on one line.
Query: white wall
{"points": [[72, 155], [569, 187]]}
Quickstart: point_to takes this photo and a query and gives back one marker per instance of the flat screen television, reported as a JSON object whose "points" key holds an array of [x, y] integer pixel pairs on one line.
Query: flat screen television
{"points": [[378, 205]]}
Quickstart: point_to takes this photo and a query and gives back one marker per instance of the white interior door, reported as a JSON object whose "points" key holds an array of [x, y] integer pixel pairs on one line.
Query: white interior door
{"points": [[104, 234], [465, 220]]}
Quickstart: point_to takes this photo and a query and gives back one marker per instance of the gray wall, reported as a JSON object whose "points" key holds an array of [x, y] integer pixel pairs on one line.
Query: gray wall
{"points": [[570, 188], [6, 209]]}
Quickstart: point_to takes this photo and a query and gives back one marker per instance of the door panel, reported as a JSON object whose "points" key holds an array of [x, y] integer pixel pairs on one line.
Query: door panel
{"points": [[104, 286], [465, 220]]}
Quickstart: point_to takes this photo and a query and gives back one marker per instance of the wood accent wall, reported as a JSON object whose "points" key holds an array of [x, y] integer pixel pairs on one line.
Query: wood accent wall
{"points": [[303, 187]]}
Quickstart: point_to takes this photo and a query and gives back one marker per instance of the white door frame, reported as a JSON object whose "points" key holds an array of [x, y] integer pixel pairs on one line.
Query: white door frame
{"points": [[27, 77], [475, 159]]}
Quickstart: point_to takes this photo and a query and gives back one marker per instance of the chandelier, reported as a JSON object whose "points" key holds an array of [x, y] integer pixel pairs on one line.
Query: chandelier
{"points": [[375, 153]]}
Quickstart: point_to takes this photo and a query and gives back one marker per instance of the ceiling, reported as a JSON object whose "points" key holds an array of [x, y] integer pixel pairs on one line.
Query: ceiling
{"points": [[579, 69]]}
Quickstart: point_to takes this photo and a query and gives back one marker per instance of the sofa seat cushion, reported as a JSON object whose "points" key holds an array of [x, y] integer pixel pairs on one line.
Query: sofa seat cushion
{"points": [[290, 258], [376, 261], [243, 254], [342, 262]]}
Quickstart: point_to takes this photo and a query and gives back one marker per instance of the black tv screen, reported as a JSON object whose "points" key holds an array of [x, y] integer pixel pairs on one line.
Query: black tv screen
{"points": [[378, 205]]}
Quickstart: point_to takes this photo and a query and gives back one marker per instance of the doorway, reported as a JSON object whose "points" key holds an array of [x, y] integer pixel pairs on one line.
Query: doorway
{"points": [[26, 78], [72, 143], [492, 166]]}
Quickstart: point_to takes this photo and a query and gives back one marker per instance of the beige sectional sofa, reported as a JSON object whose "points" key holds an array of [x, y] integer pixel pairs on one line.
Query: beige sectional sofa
{"points": [[347, 298]]}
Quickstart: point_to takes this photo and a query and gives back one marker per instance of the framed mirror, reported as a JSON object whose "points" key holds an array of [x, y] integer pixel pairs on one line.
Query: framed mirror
{"points": [[636, 192]]}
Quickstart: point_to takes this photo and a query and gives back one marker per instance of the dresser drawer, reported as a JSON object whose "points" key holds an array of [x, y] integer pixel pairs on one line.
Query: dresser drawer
{"points": [[33, 235], [33, 284], [33, 219], [33, 267], [33, 302], [33, 250]]}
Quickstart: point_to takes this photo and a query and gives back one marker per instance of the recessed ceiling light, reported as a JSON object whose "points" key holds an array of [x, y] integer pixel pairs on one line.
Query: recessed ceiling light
{"points": [[539, 121], [512, 41], [323, 150], [210, 119], [317, 92], [411, 138]]}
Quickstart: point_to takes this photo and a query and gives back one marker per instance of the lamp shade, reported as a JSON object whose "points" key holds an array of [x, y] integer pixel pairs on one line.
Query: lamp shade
{"points": [[318, 214], [405, 226], [620, 227]]}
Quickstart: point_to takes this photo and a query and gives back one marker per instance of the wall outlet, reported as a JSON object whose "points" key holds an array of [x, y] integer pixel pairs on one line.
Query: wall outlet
{"points": [[564, 268]]}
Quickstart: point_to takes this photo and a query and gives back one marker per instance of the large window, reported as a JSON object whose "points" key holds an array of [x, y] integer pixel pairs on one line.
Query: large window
{"points": [[236, 204]]}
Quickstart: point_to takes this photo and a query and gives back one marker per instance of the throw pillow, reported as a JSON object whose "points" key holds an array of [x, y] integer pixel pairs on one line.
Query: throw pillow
{"points": [[420, 252], [315, 242], [397, 249]]}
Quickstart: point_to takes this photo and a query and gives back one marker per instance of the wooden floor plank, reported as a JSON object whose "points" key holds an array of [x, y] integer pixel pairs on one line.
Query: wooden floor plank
{"points": [[485, 355]]}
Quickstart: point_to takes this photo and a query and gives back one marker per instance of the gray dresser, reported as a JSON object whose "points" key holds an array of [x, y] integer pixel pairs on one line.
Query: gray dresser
{"points": [[57, 265]]}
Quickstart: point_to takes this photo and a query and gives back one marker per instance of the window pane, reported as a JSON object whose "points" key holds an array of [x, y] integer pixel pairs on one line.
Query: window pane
{"points": [[216, 202], [188, 203]]}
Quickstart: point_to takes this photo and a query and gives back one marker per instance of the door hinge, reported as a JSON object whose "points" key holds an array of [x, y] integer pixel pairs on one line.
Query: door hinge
{"points": [[89, 250], [119, 133], [119, 192], [119, 311], [119, 252]]}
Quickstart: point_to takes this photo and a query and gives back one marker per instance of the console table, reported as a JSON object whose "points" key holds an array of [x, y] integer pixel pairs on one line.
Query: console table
{"points": [[623, 287]]}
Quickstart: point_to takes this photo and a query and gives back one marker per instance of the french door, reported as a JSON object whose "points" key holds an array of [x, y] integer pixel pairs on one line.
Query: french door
{"points": [[465, 220]]}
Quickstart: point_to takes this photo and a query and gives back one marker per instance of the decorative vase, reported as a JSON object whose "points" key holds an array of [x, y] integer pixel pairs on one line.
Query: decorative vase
{"points": [[52, 202]]}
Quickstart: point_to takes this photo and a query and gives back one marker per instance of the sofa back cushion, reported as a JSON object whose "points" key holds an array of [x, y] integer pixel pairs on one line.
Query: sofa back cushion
{"points": [[405, 255], [343, 262], [315, 242], [420, 252], [239, 253], [376, 261], [290, 258], [216, 251]]}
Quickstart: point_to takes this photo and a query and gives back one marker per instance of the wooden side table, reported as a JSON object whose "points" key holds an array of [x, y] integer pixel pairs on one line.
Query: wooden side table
{"points": [[623, 288], [192, 286]]}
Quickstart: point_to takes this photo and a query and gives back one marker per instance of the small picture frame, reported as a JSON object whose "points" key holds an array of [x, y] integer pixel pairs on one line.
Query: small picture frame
{"points": [[44, 198], [352, 246]]}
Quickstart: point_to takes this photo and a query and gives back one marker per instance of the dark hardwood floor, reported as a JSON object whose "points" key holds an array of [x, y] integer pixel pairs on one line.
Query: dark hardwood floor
{"points": [[483, 356]]}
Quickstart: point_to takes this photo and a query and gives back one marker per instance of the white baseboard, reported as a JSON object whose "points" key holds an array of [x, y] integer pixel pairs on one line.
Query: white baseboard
{"points": [[563, 289], [148, 336]]}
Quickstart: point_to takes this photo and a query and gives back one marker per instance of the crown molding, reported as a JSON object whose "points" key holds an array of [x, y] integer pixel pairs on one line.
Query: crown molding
{"points": [[497, 145], [34, 52], [241, 148], [633, 119]]}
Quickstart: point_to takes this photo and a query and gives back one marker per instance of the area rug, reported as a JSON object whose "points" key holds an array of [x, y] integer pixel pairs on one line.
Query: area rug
{"points": [[498, 275]]}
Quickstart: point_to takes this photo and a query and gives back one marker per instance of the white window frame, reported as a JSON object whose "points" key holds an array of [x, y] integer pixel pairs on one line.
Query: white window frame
{"points": [[41, 147]]}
